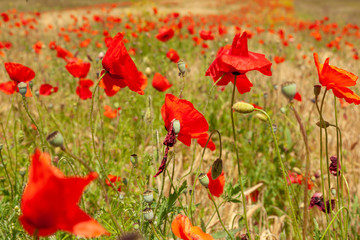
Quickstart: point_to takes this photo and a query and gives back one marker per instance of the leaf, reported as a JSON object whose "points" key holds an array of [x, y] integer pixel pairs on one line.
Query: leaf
{"points": [[216, 169], [202, 225]]}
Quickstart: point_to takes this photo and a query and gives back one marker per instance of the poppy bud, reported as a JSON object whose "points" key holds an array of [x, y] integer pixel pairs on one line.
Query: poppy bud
{"points": [[148, 196], [37, 93], [333, 191], [176, 126], [22, 88], [261, 117], [20, 136], [22, 171], [31, 84], [56, 139], [317, 90], [297, 170], [204, 179], [121, 196], [289, 90], [148, 214], [216, 168], [116, 105], [283, 110], [136, 226], [323, 124], [243, 107], [181, 67], [148, 71], [134, 159]]}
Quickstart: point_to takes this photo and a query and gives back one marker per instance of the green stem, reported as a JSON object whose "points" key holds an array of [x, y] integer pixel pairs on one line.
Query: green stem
{"points": [[155, 232], [35, 236], [238, 158], [217, 211], [332, 220], [7, 175], [283, 172]]}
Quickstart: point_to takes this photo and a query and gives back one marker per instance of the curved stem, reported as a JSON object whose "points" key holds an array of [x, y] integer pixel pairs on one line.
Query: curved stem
{"points": [[238, 158], [283, 172], [155, 232], [332, 220], [217, 211]]}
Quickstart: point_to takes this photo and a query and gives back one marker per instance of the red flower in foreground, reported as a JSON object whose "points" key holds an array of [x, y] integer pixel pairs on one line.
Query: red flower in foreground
{"points": [[8, 87], [83, 90], [173, 55], [18, 72], [216, 186], [183, 229], [237, 60], [78, 68], [165, 34], [120, 68], [50, 201], [47, 89], [338, 80], [160, 83]]}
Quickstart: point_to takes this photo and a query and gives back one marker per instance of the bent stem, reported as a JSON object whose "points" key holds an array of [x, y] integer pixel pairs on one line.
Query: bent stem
{"points": [[283, 172], [237, 157], [307, 170], [217, 211], [332, 220], [82, 162]]}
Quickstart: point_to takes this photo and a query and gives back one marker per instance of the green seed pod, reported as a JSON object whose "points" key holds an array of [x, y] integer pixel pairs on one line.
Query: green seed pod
{"points": [[333, 191], [204, 179], [243, 107], [148, 196], [148, 214], [134, 159], [31, 84], [136, 226], [182, 67], [22, 88], [37, 93], [289, 90], [317, 90], [216, 169], [56, 139], [22, 171], [176, 126], [20, 136]]}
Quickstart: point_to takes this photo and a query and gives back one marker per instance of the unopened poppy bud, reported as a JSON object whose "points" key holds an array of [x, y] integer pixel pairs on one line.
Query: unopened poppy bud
{"points": [[116, 105], [22, 171], [121, 196], [22, 88], [148, 196], [134, 159], [261, 117], [204, 179], [148, 214], [37, 93], [243, 107], [31, 84], [216, 169], [136, 226], [333, 191], [323, 124], [297, 170], [289, 90], [148, 71], [55, 139], [181, 67], [176, 126], [283, 110], [20, 136], [317, 90]]}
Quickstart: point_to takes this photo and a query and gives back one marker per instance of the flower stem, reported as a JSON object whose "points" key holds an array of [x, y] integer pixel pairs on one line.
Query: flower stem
{"points": [[283, 172], [217, 211], [155, 232], [329, 225], [238, 158], [7, 175]]}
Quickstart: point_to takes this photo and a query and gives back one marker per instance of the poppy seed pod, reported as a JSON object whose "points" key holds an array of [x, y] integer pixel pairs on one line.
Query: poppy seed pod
{"points": [[148, 196], [317, 90], [22, 88], [204, 180], [148, 214], [181, 67], [134, 159], [31, 84], [176, 126], [56, 139], [243, 107], [289, 90], [121, 196]]}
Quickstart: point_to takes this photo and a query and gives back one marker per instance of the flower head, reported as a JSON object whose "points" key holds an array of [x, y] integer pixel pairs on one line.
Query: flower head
{"points": [[183, 229]]}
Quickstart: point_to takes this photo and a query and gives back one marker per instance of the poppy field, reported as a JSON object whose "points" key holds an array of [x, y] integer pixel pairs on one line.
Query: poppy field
{"points": [[178, 120]]}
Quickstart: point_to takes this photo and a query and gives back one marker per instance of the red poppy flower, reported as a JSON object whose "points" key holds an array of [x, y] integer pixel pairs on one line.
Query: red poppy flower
{"points": [[165, 34], [8, 87], [183, 229], [63, 53], [78, 68], [50, 201], [192, 122], [160, 83], [83, 90], [114, 179], [173, 55], [206, 35], [216, 186], [19, 73], [298, 97], [37, 47], [202, 139], [120, 68], [47, 89], [109, 112], [295, 178], [5, 17], [338, 80], [279, 59], [236, 59]]}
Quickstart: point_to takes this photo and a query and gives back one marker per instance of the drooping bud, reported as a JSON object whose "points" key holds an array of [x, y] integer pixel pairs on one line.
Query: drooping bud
{"points": [[148, 214], [261, 117], [243, 107], [216, 168], [323, 124], [289, 90], [148, 196], [22, 88], [204, 179], [317, 90], [56, 139]]}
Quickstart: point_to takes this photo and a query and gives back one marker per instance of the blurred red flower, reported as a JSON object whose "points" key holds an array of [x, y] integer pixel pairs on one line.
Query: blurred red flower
{"points": [[206, 35], [47, 89], [165, 34], [216, 186], [183, 229], [110, 113], [83, 90], [78, 68], [50, 201], [160, 83], [173, 55]]}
